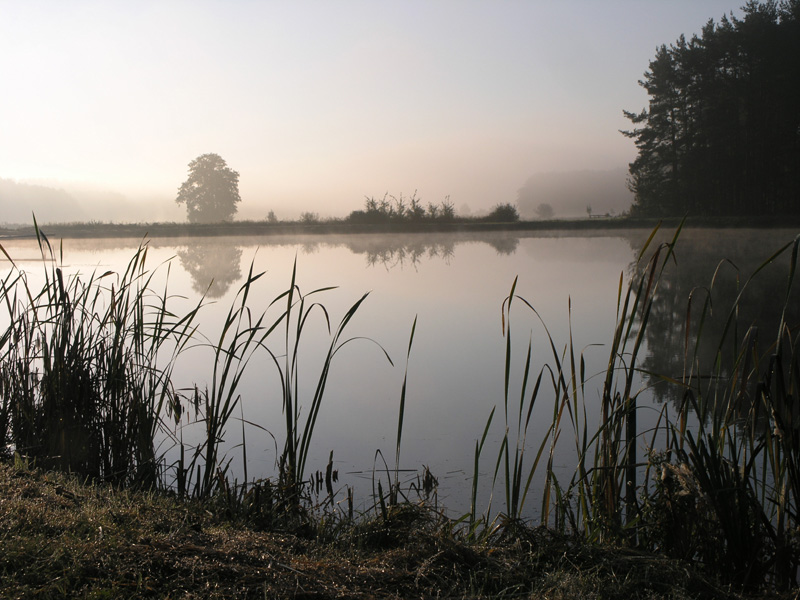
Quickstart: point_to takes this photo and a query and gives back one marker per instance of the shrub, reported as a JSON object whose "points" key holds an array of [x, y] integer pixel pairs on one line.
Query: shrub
{"points": [[503, 213]]}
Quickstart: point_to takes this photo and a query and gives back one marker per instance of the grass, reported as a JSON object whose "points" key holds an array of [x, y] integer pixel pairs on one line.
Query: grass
{"points": [[82, 389], [603, 487], [722, 492], [63, 538], [85, 376]]}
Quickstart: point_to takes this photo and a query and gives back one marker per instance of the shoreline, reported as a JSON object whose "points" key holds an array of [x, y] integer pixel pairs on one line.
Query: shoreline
{"points": [[241, 228]]}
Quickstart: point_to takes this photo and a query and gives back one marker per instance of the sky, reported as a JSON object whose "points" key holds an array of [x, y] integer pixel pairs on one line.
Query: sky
{"points": [[318, 104]]}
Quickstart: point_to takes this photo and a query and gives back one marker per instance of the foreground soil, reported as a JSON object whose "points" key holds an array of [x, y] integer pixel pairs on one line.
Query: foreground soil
{"points": [[62, 539]]}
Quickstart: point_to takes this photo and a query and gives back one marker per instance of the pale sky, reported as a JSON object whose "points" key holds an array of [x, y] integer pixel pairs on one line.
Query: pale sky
{"points": [[318, 104]]}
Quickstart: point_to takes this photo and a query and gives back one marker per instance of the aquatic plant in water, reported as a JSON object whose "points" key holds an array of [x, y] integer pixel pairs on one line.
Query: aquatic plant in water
{"points": [[83, 378], [723, 491]]}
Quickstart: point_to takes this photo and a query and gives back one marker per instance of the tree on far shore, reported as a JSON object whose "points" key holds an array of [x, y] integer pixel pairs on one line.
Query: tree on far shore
{"points": [[721, 134], [503, 213], [211, 191], [545, 211]]}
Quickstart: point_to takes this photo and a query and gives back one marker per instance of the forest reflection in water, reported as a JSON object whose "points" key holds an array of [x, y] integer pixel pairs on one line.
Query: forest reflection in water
{"points": [[214, 263], [721, 287], [711, 271]]}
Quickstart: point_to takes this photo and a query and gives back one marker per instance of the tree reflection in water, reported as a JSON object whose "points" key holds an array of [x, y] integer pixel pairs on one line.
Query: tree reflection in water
{"points": [[410, 251], [409, 254], [712, 270], [505, 246], [310, 247], [214, 266]]}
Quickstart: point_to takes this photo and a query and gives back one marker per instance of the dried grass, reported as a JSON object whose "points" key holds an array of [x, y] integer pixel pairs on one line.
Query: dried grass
{"points": [[61, 538]]}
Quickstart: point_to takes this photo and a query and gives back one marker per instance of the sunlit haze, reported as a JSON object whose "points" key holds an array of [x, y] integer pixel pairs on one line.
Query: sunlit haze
{"points": [[319, 104]]}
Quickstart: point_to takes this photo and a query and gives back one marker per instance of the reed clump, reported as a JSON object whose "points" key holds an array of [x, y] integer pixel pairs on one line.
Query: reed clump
{"points": [[715, 482], [84, 379], [86, 384]]}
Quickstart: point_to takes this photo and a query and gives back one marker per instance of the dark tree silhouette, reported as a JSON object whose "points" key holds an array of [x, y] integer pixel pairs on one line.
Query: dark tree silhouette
{"points": [[503, 213], [721, 135], [211, 192]]}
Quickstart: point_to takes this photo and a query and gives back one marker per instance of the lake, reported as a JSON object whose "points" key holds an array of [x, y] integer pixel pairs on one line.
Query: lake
{"points": [[454, 285]]}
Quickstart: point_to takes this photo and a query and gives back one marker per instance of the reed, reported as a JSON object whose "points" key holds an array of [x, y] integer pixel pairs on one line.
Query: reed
{"points": [[395, 488], [242, 333], [723, 487], [82, 371], [591, 501], [511, 457], [300, 418], [86, 369], [739, 464], [386, 501]]}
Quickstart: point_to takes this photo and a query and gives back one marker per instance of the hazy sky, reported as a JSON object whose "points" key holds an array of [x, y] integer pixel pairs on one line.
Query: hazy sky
{"points": [[318, 104]]}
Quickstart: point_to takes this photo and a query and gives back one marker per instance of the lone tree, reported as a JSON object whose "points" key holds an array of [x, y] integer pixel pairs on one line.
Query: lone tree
{"points": [[545, 211], [211, 191]]}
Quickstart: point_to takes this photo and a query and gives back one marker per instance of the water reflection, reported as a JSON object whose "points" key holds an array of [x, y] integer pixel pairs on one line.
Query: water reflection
{"points": [[310, 247], [411, 255], [699, 292], [712, 268], [504, 245], [214, 266], [214, 255], [401, 251]]}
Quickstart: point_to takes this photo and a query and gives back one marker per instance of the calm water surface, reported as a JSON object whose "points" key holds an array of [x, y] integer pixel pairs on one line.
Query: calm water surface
{"points": [[454, 285]]}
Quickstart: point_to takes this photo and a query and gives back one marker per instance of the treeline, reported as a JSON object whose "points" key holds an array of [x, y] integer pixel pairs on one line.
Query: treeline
{"points": [[397, 209], [721, 135]]}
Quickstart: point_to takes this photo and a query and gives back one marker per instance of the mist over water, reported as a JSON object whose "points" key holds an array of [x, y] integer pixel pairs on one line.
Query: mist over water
{"points": [[454, 284]]}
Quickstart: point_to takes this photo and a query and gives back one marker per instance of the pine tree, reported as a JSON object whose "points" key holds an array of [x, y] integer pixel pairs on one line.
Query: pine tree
{"points": [[721, 134]]}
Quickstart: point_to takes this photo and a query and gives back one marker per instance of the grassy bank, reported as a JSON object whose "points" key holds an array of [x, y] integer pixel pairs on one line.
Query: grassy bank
{"points": [[63, 539]]}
